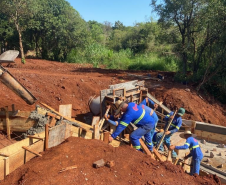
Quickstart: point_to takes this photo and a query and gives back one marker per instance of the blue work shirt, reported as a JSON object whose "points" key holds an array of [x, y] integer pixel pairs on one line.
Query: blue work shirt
{"points": [[193, 145], [176, 123], [136, 115], [149, 111]]}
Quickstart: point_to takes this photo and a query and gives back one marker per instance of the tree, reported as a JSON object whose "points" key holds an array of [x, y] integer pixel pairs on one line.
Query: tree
{"points": [[184, 14], [19, 11]]}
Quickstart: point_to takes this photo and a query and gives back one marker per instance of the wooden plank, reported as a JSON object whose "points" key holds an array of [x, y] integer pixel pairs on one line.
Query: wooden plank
{"points": [[52, 122], [35, 137], [65, 110], [29, 150], [2, 169], [14, 148], [95, 120], [156, 101], [159, 157], [96, 129], [17, 159], [52, 115], [7, 123], [69, 119], [46, 136], [6, 166], [145, 148], [18, 124]]}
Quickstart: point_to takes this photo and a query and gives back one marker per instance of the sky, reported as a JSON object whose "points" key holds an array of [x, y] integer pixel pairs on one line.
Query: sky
{"points": [[126, 11]]}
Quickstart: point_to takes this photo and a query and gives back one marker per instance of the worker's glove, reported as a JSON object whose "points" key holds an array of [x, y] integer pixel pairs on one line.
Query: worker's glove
{"points": [[168, 132], [161, 130]]}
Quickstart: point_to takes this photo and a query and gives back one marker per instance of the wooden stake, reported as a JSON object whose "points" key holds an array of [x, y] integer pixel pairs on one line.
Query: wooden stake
{"points": [[169, 158], [29, 150], [6, 166], [4, 155], [166, 130], [106, 137], [46, 136], [7, 123]]}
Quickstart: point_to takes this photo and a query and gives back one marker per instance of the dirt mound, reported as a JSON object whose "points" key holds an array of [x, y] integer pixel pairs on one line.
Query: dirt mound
{"points": [[131, 167]]}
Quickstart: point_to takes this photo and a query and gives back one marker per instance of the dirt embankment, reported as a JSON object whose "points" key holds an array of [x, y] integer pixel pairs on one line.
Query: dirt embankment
{"points": [[57, 83], [131, 167]]}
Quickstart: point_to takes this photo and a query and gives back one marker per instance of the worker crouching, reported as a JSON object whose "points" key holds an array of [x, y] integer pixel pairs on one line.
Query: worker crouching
{"points": [[195, 151], [136, 115]]}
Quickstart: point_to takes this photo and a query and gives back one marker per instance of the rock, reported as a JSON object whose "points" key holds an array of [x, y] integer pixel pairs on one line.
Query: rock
{"points": [[220, 166], [110, 164], [221, 145], [203, 141], [207, 151], [208, 160], [220, 154], [211, 155], [188, 90], [214, 149], [99, 163]]}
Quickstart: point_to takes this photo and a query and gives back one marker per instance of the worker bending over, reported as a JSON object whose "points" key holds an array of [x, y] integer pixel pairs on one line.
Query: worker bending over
{"points": [[136, 115], [174, 127], [195, 151], [152, 113]]}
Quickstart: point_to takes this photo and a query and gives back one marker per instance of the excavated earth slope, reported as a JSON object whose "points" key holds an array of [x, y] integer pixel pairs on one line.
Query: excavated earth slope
{"points": [[131, 167], [56, 83]]}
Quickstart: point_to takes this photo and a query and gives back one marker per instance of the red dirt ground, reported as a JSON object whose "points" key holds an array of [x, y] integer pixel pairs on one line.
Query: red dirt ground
{"points": [[56, 83], [131, 167]]}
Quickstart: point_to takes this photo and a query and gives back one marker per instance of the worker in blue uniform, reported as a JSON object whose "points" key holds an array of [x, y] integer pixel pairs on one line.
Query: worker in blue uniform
{"points": [[195, 151], [174, 127], [136, 115], [152, 113]]}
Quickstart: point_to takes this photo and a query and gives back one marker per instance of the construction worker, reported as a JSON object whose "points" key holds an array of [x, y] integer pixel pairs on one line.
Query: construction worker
{"points": [[174, 127], [136, 115], [152, 113], [195, 151]]}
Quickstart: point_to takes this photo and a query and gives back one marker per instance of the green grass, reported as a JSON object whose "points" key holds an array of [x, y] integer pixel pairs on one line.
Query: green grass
{"points": [[97, 55]]}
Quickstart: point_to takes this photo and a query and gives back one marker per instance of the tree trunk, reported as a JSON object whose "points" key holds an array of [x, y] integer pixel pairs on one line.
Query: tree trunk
{"points": [[20, 41], [21, 48]]}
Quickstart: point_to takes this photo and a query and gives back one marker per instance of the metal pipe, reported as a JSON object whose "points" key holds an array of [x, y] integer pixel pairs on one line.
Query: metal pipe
{"points": [[9, 80]]}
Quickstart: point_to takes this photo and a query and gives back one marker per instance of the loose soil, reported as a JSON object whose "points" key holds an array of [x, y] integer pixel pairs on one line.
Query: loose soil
{"points": [[131, 167]]}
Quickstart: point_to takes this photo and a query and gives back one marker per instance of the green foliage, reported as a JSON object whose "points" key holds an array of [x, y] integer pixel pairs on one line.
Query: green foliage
{"points": [[154, 62]]}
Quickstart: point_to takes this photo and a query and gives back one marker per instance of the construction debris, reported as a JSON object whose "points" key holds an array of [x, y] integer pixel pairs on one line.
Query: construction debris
{"points": [[211, 155], [99, 163], [203, 141], [110, 164], [220, 166], [68, 168]]}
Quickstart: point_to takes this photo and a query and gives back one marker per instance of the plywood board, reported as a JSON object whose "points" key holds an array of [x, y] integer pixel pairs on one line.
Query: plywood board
{"points": [[58, 134], [65, 110]]}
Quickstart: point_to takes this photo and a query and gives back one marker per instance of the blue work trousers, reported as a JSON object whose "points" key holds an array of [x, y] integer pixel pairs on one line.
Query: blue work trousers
{"points": [[195, 166], [144, 130], [167, 142]]}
